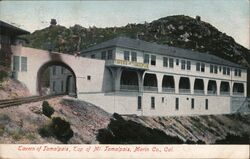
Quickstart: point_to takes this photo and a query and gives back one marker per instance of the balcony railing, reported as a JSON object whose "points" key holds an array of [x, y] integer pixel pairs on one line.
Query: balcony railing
{"points": [[197, 91], [150, 88], [169, 90], [129, 87], [185, 91], [238, 93], [211, 92], [225, 93]]}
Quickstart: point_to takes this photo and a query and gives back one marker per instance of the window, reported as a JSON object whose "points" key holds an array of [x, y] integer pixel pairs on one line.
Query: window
{"points": [[211, 68], [16, 63], [235, 72], [206, 104], [153, 60], [139, 102], [62, 70], [89, 77], [188, 65], [103, 55], [183, 64], [228, 71], [54, 70], [192, 103], [239, 73], [176, 103], [202, 67], [153, 102], [146, 58], [61, 86], [134, 56], [54, 86], [171, 62], [126, 55], [162, 99], [93, 56], [215, 69], [110, 54], [165, 62], [220, 68], [198, 66], [24, 64], [224, 70], [177, 62]]}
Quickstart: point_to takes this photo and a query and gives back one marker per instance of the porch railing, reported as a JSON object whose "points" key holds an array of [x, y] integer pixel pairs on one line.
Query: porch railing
{"points": [[129, 87], [150, 88], [169, 90], [211, 92], [225, 93], [238, 93], [186, 91], [197, 91]]}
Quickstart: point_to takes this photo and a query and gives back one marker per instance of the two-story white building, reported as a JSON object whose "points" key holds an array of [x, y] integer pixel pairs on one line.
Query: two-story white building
{"points": [[150, 79]]}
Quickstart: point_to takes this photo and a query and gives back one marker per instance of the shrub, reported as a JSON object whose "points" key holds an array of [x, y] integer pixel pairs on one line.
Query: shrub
{"points": [[3, 75], [47, 109], [45, 131], [58, 128], [2, 127], [61, 129]]}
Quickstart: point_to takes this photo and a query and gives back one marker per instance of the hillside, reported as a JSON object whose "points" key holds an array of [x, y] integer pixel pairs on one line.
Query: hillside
{"points": [[179, 31], [90, 125]]}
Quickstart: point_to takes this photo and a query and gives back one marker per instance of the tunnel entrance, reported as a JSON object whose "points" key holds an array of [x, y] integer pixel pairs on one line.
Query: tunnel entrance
{"points": [[56, 78]]}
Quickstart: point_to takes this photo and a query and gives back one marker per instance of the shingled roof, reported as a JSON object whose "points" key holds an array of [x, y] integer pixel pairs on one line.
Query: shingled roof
{"points": [[7, 29], [141, 45]]}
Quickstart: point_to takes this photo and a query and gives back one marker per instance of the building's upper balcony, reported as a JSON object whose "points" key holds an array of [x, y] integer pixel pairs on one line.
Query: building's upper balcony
{"points": [[129, 64]]}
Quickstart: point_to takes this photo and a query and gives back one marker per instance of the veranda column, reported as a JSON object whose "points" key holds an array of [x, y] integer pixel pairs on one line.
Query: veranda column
{"points": [[191, 80], [140, 81], [117, 79], [245, 89], [205, 85], [159, 81], [176, 83], [231, 88], [218, 86]]}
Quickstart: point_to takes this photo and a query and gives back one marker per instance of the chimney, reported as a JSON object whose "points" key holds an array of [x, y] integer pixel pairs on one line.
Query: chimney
{"points": [[53, 22], [198, 18]]}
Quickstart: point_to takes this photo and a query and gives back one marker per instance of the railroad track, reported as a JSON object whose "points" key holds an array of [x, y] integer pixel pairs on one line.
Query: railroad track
{"points": [[18, 101]]}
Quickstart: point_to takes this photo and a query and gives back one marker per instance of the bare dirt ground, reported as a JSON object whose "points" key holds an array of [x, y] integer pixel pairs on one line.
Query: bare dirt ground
{"points": [[20, 124], [11, 88]]}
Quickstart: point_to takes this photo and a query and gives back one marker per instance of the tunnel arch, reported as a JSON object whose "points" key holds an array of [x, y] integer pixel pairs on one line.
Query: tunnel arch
{"points": [[48, 64]]}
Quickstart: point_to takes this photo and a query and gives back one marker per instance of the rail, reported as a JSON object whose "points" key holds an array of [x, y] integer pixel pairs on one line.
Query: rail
{"points": [[150, 88], [184, 91], [18, 101], [169, 90], [211, 92], [129, 87], [197, 91]]}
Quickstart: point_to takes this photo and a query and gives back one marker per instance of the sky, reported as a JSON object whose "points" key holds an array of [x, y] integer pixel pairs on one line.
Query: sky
{"points": [[229, 16]]}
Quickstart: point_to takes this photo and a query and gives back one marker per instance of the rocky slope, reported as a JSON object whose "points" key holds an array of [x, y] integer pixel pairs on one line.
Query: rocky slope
{"points": [[10, 88], [179, 31], [21, 124], [90, 124]]}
